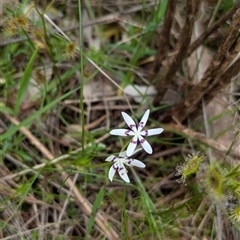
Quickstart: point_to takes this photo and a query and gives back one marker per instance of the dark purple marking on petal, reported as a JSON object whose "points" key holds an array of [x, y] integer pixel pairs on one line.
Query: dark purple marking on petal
{"points": [[127, 132], [123, 172], [120, 169], [132, 126], [113, 159], [129, 162], [115, 167], [141, 124], [134, 142], [142, 140], [146, 132]]}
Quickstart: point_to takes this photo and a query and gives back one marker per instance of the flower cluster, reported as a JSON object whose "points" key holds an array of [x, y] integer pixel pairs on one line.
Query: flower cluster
{"points": [[138, 134]]}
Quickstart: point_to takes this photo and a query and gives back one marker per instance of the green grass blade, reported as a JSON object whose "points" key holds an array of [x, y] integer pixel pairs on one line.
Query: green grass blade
{"points": [[95, 208], [155, 223], [25, 81]]}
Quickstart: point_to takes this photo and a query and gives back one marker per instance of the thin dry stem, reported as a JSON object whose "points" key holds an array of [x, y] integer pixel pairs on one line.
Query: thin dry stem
{"points": [[164, 39], [175, 62], [217, 76], [222, 20], [202, 138]]}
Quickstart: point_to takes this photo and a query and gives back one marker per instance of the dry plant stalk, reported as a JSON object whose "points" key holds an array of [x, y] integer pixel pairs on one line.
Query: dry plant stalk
{"points": [[202, 138], [220, 82], [164, 39], [181, 48], [218, 75], [222, 20]]}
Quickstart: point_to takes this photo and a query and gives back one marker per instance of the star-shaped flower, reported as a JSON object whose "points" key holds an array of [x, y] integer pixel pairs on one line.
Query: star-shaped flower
{"points": [[118, 165], [137, 132]]}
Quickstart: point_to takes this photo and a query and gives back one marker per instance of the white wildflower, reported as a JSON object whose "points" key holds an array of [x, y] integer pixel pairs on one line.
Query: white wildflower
{"points": [[118, 165], [137, 132]]}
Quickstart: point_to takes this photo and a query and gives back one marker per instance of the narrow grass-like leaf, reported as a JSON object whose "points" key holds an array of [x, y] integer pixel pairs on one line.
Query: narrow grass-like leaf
{"points": [[25, 81], [81, 72], [8, 110], [155, 223], [95, 208]]}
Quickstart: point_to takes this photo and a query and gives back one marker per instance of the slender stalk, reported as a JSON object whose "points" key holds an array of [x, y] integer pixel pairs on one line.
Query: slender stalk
{"points": [[81, 72]]}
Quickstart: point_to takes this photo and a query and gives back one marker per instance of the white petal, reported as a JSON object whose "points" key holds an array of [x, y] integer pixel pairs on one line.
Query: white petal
{"points": [[110, 158], [152, 132], [137, 150], [135, 162], [123, 175], [143, 121], [122, 154], [122, 132], [129, 121], [111, 172], [146, 146], [132, 145]]}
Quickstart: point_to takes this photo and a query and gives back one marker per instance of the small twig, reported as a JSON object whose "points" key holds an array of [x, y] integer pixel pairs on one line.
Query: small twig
{"points": [[203, 222], [202, 138], [63, 210], [195, 218]]}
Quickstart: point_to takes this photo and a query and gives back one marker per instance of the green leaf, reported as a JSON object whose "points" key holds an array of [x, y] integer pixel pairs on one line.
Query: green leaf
{"points": [[6, 110], [95, 208], [25, 81]]}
